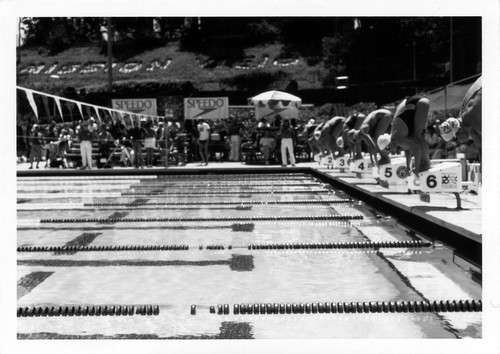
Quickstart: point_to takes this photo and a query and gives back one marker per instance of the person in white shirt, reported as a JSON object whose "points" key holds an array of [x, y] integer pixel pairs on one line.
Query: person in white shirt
{"points": [[203, 139]]}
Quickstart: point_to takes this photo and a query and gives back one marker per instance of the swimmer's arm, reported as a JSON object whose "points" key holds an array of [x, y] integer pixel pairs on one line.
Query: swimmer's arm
{"points": [[368, 140], [408, 160], [418, 156]]}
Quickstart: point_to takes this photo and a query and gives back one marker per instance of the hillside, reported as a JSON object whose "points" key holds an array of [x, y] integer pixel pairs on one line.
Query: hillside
{"points": [[85, 67]]}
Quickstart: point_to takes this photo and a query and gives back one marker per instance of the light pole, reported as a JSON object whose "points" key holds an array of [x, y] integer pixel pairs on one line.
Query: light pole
{"points": [[451, 49], [19, 40], [110, 55]]}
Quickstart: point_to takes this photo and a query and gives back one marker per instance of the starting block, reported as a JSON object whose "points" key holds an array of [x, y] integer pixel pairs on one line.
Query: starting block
{"points": [[394, 172], [444, 177], [360, 166], [393, 175], [342, 163], [474, 177], [327, 160]]}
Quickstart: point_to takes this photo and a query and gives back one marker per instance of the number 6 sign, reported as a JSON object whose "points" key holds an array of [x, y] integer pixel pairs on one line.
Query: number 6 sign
{"points": [[443, 177]]}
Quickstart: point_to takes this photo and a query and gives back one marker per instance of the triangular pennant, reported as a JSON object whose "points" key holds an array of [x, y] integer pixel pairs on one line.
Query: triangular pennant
{"points": [[58, 103], [79, 105], [96, 109], [113, 119], [31, 100]]}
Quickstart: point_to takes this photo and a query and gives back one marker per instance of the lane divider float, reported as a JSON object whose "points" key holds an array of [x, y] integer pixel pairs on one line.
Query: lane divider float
{"points": [[273, 246], [341, 245], [62, 249], [225, 192], [98, 310], [224, 202], [199, 219], [350, 307]]}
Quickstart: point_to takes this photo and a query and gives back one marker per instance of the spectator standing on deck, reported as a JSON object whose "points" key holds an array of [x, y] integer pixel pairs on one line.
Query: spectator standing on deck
{"points": [[104, 139], [149, 143], [64, 145], [286, 132], [235, 132], [203, 139], [50, 135], [36, 142], [407, 132], [267, 145], [137, 134], [86, 138]]}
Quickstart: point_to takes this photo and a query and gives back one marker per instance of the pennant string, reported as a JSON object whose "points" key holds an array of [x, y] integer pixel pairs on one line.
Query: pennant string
{"points": [[30, 95]]}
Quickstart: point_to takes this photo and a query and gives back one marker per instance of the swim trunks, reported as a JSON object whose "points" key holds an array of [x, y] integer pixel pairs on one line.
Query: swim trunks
{"points": [[408, 113]]}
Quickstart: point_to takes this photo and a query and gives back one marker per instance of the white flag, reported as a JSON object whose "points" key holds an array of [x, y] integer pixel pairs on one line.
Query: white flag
{"points": [[79, 105], [31, 100], [59, 107]]}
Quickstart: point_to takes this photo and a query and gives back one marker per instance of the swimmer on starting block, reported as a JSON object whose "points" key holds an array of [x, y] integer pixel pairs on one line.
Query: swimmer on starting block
{"points": [[353, 123], [374, 125], [407, 132], [468, 124], [327, 135]]}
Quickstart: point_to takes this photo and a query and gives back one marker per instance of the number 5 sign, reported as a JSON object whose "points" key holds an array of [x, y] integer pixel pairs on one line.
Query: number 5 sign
{"points": [[393, 172]]}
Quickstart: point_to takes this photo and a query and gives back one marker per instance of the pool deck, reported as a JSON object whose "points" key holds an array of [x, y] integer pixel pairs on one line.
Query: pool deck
{"points": [[441, 210]]}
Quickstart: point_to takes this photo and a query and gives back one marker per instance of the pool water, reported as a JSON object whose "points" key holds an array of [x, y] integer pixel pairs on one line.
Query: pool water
{"points": [[272, 234]]}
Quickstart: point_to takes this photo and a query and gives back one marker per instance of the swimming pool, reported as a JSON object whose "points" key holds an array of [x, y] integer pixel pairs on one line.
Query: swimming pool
{"points": [[227, 256]]}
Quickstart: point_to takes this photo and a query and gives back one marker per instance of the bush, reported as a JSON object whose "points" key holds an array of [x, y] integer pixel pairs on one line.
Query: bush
{"points": [[255, 80]]}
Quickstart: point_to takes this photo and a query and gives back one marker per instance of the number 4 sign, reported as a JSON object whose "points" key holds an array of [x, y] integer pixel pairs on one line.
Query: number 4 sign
{"points": [[360, 166]]}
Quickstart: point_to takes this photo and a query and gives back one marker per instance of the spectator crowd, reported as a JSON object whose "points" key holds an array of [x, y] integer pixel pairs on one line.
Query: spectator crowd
{"points": [[90, 143]]}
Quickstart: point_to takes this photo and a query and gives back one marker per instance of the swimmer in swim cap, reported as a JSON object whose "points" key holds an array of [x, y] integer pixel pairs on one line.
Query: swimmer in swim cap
{"points": [[449, 128], [407, 132], [329, 133]]}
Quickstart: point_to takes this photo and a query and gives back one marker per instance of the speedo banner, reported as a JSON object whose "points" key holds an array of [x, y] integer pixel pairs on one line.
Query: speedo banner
{"points": [[146, 106], [206, 108]]}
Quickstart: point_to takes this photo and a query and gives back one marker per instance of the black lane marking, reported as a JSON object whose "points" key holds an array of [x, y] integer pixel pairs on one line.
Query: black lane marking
{"points": [[236, 330], [228, 330], [84, 239], [30, 281], [115, 217], [140, 201], [237, 263], [234, 227]]}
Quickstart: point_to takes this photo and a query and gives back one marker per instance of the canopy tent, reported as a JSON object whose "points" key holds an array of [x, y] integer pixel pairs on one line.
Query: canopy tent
{"points": [[448, 98], [271, 103]]}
